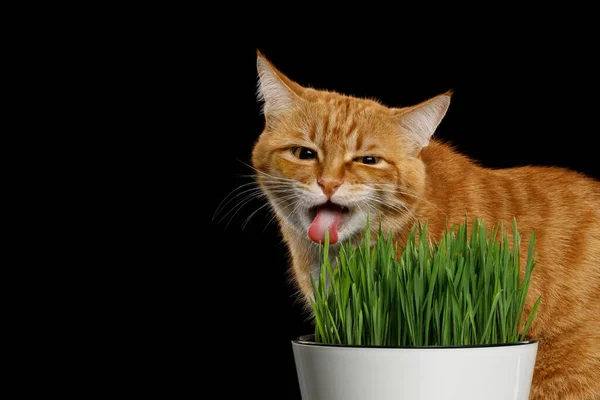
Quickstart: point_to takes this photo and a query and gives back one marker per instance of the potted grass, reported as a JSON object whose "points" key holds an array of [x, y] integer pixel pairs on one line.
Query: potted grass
{"points": [[444, 321]]}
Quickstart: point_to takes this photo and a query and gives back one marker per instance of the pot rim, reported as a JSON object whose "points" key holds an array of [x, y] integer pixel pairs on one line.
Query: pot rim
{"points": [[308, 340]]}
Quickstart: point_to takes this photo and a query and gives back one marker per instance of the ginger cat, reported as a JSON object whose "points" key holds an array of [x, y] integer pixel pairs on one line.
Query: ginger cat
{"points": [[325, 160]]}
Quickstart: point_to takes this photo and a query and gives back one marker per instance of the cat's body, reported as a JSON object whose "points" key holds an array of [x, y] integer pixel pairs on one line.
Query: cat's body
{"points": [[326, 160]]}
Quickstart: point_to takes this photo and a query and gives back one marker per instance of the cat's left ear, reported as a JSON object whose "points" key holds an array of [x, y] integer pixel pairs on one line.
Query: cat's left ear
{"points": [[418, 123], [278, 93]]}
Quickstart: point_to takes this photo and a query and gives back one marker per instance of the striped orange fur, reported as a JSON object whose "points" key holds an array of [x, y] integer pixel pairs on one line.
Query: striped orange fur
{"points": [[414, 177]]}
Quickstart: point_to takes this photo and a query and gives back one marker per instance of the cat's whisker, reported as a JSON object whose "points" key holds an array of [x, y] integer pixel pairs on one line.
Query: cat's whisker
{"points": [[231, 193], [420, 198], [372, 207], [275, 189], [298, 204], [399, 207], [273, 217], [283, 199], [251, 215], [410, 213], [281, 189], [238, 198], [399, 192], [393, 189], [271, 181], [239, 207], [265, 174], [247, 193], [399, 189], [423, 200], [296, 208], [369, 208], [270, 220], [387, 204], [243, 201]]}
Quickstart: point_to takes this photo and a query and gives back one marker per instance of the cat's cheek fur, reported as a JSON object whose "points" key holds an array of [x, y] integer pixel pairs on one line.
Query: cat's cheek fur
{"points": [[301, 171], [259, 160], [411, 175]]}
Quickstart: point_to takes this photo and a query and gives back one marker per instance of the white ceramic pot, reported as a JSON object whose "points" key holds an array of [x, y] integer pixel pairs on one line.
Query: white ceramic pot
{"points": [[494, 372]]}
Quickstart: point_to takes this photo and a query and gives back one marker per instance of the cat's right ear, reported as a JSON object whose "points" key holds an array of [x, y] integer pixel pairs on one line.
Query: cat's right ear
{"points": [[418, 123], [277, 92]]}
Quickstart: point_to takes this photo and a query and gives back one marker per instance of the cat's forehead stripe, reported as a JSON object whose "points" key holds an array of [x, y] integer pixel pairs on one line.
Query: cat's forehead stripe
{"points": [[339, 119], [325, 125], [312, 131], [352, 129], [357, 138]]}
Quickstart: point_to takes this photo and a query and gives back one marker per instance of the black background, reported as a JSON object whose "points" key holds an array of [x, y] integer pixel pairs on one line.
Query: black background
{"points": [[528, 102]]}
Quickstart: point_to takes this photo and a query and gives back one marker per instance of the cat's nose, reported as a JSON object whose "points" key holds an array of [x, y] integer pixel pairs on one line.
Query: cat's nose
{"points": [[329, 186]]}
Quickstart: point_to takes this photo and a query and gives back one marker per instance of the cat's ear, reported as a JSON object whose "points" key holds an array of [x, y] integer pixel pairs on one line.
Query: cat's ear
{"points": [[418, 123], [277, 91]]}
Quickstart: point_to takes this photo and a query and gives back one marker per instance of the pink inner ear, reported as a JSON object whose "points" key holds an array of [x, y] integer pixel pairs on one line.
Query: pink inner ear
{"points": [[420, 122]]}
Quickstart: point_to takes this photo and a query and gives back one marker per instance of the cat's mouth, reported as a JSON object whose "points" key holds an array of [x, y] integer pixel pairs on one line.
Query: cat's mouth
{"points": [[328, 217]]}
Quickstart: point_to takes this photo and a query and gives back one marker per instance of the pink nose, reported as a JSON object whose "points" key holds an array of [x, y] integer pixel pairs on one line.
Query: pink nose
{"points": [[329, 186]]}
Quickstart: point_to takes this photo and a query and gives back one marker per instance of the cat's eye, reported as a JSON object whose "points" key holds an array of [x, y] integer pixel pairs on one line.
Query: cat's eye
{"points": [[304, 153], [369, 160]]}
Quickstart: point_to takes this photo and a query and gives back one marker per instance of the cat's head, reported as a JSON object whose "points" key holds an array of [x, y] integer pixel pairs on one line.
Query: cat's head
{"points": [[326, 161]]}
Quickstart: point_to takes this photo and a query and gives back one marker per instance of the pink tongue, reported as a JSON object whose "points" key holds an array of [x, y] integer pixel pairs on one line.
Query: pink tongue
{"points": [[327, 219]]}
